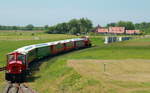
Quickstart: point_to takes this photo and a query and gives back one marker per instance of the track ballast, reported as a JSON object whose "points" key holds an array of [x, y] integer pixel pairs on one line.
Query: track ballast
{"points": [[17, 88]]}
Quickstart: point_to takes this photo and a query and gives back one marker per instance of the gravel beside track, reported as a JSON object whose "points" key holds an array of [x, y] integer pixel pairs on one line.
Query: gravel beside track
{"points": [[17, 88]]}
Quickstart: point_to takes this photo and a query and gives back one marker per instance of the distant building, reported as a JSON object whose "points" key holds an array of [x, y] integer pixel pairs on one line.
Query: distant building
{"points": [[117, 30], [137, 32], [102, 30], [132, 32]]}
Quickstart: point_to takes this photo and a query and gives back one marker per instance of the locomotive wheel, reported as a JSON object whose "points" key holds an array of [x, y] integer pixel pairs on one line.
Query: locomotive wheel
{"points": [[90, 45], [15, 77], [23, 77], [19, 78]]}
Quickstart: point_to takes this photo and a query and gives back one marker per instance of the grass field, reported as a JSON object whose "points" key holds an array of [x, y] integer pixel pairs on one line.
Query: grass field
{"points": [[118, 76], [127, 67]]}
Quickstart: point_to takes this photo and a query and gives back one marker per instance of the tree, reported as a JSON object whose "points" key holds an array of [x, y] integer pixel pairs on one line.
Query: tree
{"points": [[74, 26], [51, 30], [29, 27], [111, 25], [127, 24], [46, 27], [86, 25], [73, 31], [14, 28]]}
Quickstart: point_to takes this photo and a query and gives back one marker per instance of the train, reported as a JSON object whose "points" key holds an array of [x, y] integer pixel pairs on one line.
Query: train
{"points": [[18, 61]]}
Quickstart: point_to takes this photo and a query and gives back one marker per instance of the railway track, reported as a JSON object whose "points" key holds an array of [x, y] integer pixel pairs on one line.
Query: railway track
{"points": [[17, 88], [2, 68]]}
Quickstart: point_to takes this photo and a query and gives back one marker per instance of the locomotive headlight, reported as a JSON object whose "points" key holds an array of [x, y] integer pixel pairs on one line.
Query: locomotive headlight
{"points": [[8, 71], [20, 70]]}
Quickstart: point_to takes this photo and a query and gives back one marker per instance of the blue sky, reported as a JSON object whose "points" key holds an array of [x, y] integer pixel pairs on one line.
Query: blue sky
{"points": [[51, 12]]}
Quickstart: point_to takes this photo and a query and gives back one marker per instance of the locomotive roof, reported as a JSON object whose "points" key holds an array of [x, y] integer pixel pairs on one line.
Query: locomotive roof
{"points": [[26, 49], [76, 39]]}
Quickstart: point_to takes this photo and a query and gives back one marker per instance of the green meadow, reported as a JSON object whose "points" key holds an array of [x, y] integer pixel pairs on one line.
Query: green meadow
{"points": [[121, 67]]}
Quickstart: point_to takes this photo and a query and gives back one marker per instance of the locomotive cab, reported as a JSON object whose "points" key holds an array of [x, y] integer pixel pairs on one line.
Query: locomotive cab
{"points": [[87, 41], [16, 65]]}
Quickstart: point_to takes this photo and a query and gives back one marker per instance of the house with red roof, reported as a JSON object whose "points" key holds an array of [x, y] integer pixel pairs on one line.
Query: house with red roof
{"points": [[137, 32], [117, 30], [102, 30], [132, 32]]}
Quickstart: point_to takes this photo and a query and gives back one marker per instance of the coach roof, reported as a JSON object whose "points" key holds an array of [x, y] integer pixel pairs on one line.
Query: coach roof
{"points": [[26, 49]]}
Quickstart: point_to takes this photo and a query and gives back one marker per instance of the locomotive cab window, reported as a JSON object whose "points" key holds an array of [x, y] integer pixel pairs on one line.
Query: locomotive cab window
{"points": [[21, 58], [11, 58]]}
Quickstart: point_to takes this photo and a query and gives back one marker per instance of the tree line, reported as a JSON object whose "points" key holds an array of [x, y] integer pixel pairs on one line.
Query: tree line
{"points": [[79, 26], [74, 26], [27, 27]]}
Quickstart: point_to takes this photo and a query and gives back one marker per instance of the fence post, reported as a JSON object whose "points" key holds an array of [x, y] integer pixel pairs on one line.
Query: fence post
{"points": [[104, 67]]}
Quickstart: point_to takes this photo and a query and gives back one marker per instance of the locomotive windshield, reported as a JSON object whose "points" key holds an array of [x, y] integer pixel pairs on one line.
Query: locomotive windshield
{"points": [[11, 58], [16, 57], [21, 58]]}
